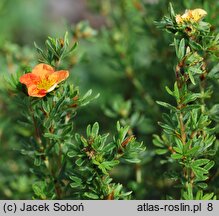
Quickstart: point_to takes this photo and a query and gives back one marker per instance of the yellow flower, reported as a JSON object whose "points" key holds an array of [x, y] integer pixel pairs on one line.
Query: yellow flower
{"points": [[198, 14], [191, 16]]}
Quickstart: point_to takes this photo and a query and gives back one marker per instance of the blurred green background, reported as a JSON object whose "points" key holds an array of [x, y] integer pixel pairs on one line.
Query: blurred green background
{"points": [[121, 54]]}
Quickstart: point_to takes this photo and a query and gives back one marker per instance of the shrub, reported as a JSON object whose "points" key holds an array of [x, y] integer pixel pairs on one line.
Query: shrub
{"points": [[60, 140]]}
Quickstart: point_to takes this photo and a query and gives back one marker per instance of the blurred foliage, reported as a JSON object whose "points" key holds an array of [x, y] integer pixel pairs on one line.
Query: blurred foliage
{"points": [[128, 60]]}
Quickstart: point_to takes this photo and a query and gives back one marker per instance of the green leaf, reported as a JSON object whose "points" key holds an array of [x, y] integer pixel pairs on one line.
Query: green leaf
{"points": [[191, 77], [157, 141], [40, 51], [110, 113], [38, 188], [195, 45], [179, 143], [192, 150], [73, 47], [92, 196], [161, 151], [57, 106], [79, 162], [136, 119], [72, 154], [66, 38], [178, 150], [132, 160], [191, 107], [195, 70], [52, 48], [84, 141], [86, 99], [191, 97], [95, 129], [109, 147], [108, 165], [214, 112], [209, 165], [167, 127], [202, 185], [200, 172], [169, 91], [181, 51], [77, 182], [52, 136], [118, 126], [122, 133], [176, 42], [208, 196], [176, 156], [190, 192], [199, 195], [37, 161], [194, 58], [88, 130], [166, 105], [214, 72], [176, 92], [171, 11], [87, 94], [200, 162]]}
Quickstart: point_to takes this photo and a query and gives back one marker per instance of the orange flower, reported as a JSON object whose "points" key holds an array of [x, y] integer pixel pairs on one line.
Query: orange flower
{"points": [[43, 79]]}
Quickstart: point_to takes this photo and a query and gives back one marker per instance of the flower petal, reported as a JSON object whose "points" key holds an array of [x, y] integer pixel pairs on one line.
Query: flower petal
{"points": [[33, 91], [60, 76], [179, 19], [195, 15], [198, 14], [29, 79], [42, 70], [52, 88]]}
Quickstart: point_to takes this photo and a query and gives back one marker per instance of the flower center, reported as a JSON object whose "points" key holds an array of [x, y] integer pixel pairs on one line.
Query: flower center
{"points": [[46, 83]]}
